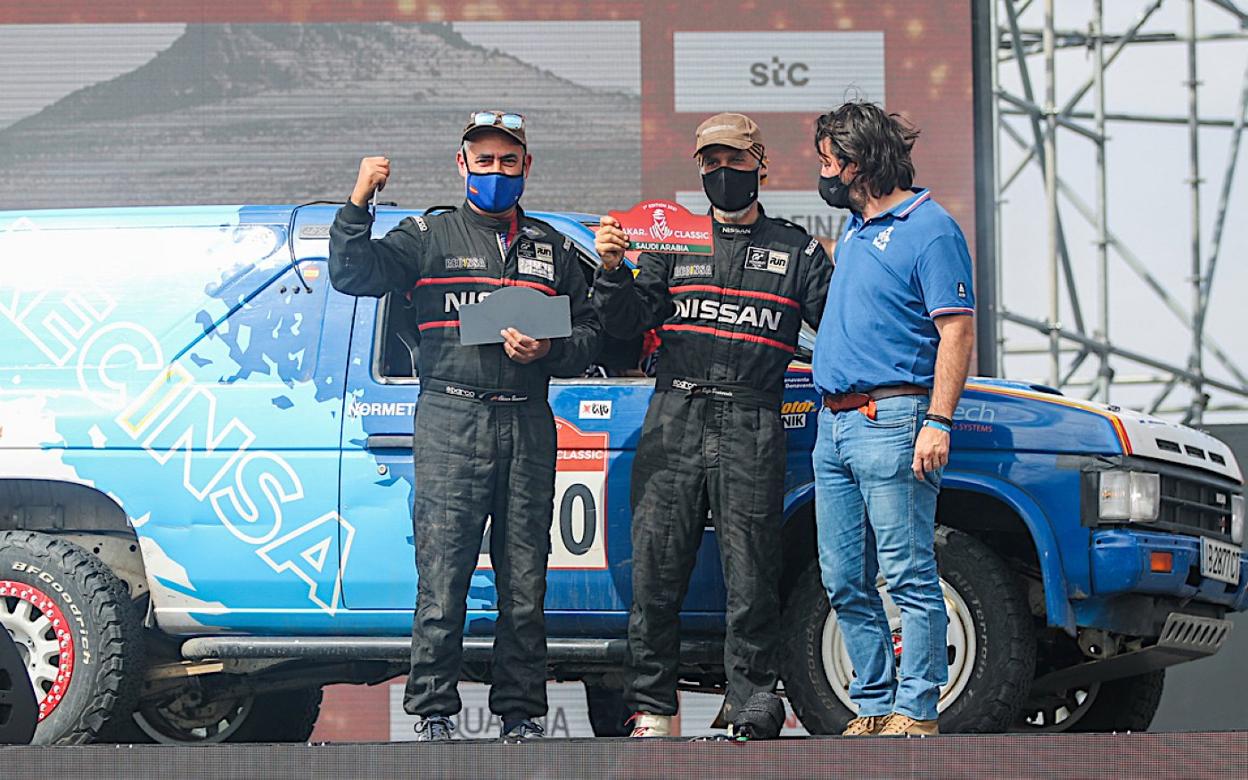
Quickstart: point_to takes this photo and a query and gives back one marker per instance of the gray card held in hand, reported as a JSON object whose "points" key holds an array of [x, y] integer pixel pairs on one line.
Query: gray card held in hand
{"points": [[534, 314]]}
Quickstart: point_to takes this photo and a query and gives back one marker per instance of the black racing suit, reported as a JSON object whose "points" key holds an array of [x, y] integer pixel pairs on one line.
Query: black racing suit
{"points": [[484, 435], [713, 435]]}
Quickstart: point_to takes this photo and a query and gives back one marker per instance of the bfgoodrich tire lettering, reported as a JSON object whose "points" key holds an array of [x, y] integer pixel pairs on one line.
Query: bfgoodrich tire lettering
{"points": [[995, 676], [96, 674]]}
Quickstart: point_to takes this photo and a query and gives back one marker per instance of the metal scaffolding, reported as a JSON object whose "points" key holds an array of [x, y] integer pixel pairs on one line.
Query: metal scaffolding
{"points": [[1032, 130]]}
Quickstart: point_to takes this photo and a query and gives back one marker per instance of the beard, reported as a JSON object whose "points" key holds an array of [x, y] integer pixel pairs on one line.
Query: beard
{"points": [[728, 216], [857, 199]]}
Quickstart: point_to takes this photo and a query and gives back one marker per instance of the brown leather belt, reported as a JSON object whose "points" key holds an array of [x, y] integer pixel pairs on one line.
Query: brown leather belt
{"points": [[843, 402]]}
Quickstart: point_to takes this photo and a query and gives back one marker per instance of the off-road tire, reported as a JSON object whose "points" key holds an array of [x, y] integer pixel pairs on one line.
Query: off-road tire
{"points": [[1005, 648], [106, 667]]}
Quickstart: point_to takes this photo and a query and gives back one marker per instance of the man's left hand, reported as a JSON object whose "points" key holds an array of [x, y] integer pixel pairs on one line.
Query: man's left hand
{"points": [[523, 349], [931, 451]]}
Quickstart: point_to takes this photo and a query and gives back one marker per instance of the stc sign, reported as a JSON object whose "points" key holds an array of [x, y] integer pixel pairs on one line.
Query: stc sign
{"points": [[776, 71]]}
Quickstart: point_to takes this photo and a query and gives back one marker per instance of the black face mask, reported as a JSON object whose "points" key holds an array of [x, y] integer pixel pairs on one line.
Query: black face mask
{"points": [[729, 189], [834, 192]]}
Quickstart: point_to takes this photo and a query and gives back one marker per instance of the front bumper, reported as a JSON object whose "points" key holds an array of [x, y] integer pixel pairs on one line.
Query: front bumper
{"points": [[1120, 564]]}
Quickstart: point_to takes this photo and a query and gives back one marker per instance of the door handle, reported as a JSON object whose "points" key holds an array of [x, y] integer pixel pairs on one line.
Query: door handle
{"points": [[389, 441]]}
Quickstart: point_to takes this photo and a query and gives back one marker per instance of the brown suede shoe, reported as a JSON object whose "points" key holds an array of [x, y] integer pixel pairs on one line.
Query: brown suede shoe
{"points": [[865, 727], [898, 725]]}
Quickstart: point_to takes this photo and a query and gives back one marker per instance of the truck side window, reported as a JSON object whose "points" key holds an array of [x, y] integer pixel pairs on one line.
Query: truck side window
{"points": [[397, 339], [617, 358]]}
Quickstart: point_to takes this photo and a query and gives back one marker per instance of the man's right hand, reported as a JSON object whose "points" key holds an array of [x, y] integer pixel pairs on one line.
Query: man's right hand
{"points": [[610, 241], [373, 174]]}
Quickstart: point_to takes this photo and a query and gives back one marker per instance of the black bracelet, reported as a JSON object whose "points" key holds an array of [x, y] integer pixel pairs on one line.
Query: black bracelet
{"points": [[938, 418]]}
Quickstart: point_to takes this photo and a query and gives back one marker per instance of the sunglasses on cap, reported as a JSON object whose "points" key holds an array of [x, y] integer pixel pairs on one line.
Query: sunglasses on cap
{"points": [[497, 119]]}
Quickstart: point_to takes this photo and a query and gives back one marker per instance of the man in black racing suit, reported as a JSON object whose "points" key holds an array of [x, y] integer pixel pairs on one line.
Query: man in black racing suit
{"points": [[484, 434], [713, 434]]}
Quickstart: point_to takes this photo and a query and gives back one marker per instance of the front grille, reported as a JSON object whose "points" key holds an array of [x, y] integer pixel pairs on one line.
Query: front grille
{"points": [[1195, 506]]}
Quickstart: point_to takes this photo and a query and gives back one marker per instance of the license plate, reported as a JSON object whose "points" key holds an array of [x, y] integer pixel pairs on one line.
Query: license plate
{"points": [[1219, 561]]}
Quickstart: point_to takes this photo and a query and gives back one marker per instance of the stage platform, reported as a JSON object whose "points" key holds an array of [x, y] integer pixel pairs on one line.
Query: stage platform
{"points": [[1188, 755]]}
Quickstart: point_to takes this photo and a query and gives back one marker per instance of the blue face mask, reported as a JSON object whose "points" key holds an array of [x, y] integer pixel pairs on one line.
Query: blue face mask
{"points": [[494, 193]]}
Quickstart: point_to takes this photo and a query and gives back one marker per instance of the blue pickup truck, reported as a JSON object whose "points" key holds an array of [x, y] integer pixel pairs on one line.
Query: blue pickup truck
{"points": [[206, 479]]}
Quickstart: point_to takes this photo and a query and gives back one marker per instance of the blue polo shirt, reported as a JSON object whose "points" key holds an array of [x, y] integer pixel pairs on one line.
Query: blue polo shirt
{"points": [[895, 273]]}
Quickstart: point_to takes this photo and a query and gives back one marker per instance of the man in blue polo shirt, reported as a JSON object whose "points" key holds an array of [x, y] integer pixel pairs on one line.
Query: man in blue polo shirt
{"points": [[891, 359]]}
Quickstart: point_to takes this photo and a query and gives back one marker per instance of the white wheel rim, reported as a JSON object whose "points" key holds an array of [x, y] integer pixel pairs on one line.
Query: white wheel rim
{"points": [[960, 646]]}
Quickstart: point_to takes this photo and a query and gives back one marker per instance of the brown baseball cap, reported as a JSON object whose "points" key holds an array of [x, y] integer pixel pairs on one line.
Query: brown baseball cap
{"points": [[735, 130], [503, 121]]}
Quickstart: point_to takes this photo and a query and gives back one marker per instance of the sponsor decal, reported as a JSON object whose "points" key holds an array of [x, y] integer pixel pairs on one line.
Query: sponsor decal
{"points": [[734, 230], [532, 232], [795, 413], [174, 402], [778, 262], [774, 71], [256, 495], [465, 264], [975, 412], [595, 410], [798, 407], [728, 313], [762, 259], [542, 268], [798, 381], [961, 289], [810, 248], [663, 226], [695, 269], [373, 409], [313, 232], [683, 384], [422, 224], [972, 427], [544, 251]]}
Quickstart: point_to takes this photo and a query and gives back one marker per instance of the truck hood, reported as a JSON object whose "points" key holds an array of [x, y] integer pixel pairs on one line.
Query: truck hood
{"points": [[1140, 434]]}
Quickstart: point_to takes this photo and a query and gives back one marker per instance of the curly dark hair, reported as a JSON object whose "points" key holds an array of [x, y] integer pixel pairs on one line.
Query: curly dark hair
{"points": [[878, 142]]}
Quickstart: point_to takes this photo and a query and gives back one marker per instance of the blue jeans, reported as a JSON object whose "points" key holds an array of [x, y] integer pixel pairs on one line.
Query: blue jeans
{"points": [[873, 516]]}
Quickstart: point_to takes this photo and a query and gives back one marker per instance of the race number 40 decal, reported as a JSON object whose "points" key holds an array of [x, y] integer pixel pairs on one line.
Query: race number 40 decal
{"points": [[578, 535], [578, 532]]}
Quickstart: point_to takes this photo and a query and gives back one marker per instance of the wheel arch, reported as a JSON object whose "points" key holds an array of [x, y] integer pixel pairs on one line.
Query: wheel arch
{"points": [[79, 513], [1010, 523], [968, 502]]}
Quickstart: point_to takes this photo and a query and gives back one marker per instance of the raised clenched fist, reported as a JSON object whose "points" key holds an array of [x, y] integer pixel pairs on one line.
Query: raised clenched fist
{"points": [[374, 171]]}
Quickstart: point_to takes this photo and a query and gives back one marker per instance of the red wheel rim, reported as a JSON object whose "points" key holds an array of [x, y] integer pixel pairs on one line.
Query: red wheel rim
{"points": [[40, 608]]}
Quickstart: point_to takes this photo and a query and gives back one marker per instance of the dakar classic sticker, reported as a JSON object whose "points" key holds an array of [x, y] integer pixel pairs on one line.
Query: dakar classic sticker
{"points": [[663, 226]]}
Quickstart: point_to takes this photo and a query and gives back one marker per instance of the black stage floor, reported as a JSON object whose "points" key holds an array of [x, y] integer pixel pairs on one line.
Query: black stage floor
{"points": [[1220, 755]]}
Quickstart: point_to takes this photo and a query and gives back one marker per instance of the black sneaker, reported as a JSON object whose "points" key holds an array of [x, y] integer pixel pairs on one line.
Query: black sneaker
{"points": [[435, 728], [517, 730]]}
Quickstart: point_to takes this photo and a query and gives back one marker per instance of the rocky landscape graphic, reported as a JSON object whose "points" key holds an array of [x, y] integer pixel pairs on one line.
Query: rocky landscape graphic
{"points": [[281, 113]]}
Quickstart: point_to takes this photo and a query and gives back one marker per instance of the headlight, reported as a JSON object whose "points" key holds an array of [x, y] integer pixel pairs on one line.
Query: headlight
{"points": [[1237, 519], [1129, 495]]}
